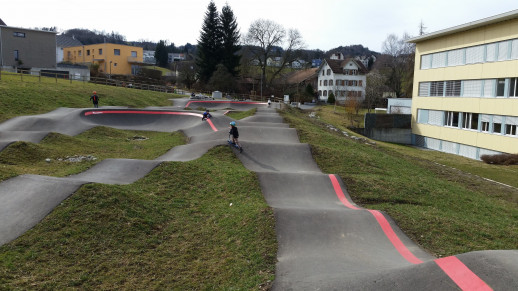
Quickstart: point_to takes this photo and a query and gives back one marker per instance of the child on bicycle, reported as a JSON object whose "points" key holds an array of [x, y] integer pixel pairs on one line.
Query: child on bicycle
{"points": [[206, 115]]}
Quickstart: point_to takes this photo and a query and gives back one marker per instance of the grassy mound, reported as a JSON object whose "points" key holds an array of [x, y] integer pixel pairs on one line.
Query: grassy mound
{"points": [[195, 225]]}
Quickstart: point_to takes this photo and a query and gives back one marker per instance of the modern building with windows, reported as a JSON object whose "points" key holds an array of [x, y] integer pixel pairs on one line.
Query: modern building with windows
{"points": [[466, 88], [113, 59], [28, 49]]}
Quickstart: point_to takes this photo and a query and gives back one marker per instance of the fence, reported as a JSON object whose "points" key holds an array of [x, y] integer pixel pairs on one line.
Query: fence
{"points": [[45, 76]]}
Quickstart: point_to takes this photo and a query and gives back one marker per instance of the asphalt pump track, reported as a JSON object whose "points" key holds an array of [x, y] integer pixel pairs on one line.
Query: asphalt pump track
{"points": [[325, 241]]}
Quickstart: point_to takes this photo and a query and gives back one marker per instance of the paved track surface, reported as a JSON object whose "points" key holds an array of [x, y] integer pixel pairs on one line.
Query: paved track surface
{"points": [[326, 242]]}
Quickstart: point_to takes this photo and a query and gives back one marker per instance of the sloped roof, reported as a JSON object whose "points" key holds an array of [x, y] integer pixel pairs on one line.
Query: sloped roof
{"points": [[338, 65], [66, 41], [2, 23], [300, 76]]}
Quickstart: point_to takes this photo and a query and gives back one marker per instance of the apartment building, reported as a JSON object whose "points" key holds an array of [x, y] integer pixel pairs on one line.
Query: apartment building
{"points": [[466, 88], [113, 59]]}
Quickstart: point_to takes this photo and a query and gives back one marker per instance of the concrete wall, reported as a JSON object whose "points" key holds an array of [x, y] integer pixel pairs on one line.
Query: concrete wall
{"points": [[389, 127]]}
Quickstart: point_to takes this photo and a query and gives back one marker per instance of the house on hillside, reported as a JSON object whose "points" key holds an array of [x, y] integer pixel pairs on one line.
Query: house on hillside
{"points": [[175, 57], [63, 41], [466, 88], [345, 78], [112, 58], [149, 57], [274, 62], [28, 49], [316, 63]]}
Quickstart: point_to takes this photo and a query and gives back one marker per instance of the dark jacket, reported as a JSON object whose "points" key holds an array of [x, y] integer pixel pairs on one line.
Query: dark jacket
{"points": [[94, 98], [233, 131]]}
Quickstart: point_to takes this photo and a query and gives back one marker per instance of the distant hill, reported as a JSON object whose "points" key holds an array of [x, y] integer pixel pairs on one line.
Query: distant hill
{"points": [[352, 51]]}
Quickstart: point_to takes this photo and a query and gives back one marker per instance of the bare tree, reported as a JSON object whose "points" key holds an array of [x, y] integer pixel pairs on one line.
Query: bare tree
{"points": [[264, 38], [401, 63], [375, 88]]}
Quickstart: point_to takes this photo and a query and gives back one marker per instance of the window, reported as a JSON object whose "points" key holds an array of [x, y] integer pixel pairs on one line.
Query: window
{"points": [[439, 60], [424, 89], [485, 120], [323, 73], [360, 83], [328, 72], [320, 82], [491, 52], [325, 82], [453, 88], [511, 123], [330, 82], [497, 124], [470, 121], [134, 54], [456, 57], [87, 52], [503, 49], [79, 53], [437, 88], [451, 118], [425, 62], [19, 34], [500, 88], [16, 55], [513, 87], [475, 54], [100, 51], [472, 88], [117, 52]]}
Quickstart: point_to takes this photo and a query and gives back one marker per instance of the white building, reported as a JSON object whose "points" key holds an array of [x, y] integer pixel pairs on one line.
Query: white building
{"points": [[346, 78]]}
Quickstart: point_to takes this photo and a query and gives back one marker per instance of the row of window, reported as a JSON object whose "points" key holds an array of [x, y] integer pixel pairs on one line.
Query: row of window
{"points": [[491, 52], [116, 52], [503, 87], [345, 72], [452, 147], [340, 93], [488, 123], [342, 82]]}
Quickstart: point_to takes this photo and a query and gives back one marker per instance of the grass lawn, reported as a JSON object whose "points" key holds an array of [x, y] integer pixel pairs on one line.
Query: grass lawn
{"points": [[187, 225], [444, 210], [30, 96], [101, 142]]}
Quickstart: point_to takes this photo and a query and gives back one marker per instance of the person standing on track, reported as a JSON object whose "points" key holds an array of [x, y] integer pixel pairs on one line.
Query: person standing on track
{"points": [[95, 99], [235, 135]]}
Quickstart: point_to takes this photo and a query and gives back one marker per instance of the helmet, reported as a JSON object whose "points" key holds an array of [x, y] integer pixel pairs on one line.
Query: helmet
{"points": [[233, 123], [95, 92], [207, 110]]}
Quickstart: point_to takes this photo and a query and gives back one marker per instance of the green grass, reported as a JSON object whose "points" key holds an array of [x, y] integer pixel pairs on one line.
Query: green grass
{"points": [[444, 210], [194, 225], [101, 142], [31, 96], [241, 114]]}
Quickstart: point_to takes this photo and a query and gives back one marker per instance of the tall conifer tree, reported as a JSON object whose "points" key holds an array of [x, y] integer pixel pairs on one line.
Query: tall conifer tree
{"points": [[209, 44], [230, 40]]}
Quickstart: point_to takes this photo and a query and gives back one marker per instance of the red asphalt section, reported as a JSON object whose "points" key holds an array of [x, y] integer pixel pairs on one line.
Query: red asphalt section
{"points": [[95, 112], [452, 266], [217, 101]]}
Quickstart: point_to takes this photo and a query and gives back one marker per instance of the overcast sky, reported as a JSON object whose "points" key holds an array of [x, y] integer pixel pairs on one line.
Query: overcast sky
{"points": [[323, 24]]}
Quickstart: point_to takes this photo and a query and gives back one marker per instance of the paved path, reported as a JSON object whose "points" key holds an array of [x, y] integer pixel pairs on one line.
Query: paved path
{"points": [[326, 242]]}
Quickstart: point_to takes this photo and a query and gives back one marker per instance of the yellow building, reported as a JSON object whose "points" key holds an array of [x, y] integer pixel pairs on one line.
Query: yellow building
{"points": [[466, 88], [112, 58]]}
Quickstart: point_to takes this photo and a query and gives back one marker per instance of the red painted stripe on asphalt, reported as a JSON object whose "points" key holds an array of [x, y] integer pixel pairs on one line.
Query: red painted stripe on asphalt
{"points": [[461, 274], [394, 239], [95, 112], [217, 101], [452, 266], [340, 193]]}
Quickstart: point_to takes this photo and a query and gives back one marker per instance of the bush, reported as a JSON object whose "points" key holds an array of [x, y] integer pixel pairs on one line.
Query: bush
{"points": [[331, 99], [501, 159]]}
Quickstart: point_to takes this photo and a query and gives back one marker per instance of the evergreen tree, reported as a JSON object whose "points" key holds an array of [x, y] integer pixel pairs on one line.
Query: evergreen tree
{"points": [[161, 56], [209, 44], [230, 37]]}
